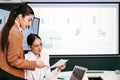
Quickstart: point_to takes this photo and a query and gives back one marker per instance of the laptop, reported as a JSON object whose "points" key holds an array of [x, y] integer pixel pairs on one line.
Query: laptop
{"points": [[78, 73]]}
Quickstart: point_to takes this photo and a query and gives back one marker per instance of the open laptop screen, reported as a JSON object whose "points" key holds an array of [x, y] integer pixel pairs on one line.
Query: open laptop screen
{"points": [[78, 73]]}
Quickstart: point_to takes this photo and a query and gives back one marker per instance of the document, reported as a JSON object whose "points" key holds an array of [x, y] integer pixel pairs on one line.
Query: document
{"points": [[59, 63], [118, 71]]}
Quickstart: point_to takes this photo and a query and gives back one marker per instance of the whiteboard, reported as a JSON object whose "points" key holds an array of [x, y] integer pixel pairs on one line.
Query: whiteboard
{"points": [[78, 28]]}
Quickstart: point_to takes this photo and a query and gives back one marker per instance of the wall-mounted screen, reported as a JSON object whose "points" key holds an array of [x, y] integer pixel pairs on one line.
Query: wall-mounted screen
{"points": [[78, 28], [3, 17]]}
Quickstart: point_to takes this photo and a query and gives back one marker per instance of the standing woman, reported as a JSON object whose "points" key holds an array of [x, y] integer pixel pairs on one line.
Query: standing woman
{"points": [[12, 62]]}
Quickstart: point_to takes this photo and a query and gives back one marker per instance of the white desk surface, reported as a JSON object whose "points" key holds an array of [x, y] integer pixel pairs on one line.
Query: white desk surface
{"points": [[106, 75]]}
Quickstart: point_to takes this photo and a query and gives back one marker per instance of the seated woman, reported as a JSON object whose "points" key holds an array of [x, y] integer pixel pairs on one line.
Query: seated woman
{"points": [[35, 44]]}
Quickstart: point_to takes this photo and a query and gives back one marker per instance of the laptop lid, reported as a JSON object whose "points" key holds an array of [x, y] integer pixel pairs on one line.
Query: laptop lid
{"points": [[78, 73]]}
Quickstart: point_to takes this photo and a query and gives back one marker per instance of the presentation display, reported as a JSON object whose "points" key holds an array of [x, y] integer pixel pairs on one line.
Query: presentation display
{"points": [[78, 28]]}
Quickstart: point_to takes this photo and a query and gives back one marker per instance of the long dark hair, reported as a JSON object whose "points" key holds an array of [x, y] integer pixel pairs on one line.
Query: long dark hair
{"points": [[23, 9]]}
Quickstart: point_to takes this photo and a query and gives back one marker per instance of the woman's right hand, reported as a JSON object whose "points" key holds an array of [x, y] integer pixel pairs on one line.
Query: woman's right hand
{"points": [[40, 64]]}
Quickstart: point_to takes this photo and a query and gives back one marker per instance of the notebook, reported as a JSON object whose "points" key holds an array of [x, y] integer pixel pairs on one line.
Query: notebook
{"points": [[78, 73]]}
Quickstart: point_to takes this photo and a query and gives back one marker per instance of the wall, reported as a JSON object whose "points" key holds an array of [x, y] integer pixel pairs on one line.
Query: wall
{"points": [[9, 6]]}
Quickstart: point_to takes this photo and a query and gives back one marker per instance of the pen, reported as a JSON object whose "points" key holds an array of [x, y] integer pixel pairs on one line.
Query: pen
{"points": [[60, 78]]}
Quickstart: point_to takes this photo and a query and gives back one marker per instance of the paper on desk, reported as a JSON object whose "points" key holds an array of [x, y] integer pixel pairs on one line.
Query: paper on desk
{"points": [[59, 63]]}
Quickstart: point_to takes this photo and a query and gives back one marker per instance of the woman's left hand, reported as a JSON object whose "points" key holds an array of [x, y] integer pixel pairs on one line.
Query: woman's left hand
{"points": [[59, 68]]}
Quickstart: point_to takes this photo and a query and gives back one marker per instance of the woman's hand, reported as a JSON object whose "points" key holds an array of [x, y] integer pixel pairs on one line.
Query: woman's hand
{"points": [[59, 68], [40, 64]]}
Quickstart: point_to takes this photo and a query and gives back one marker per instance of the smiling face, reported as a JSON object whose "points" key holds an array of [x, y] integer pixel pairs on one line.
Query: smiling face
{"points": [[25, 21]]}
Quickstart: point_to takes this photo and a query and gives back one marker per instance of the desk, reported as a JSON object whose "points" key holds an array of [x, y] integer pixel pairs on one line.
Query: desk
{"points": [[106, 75]]}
